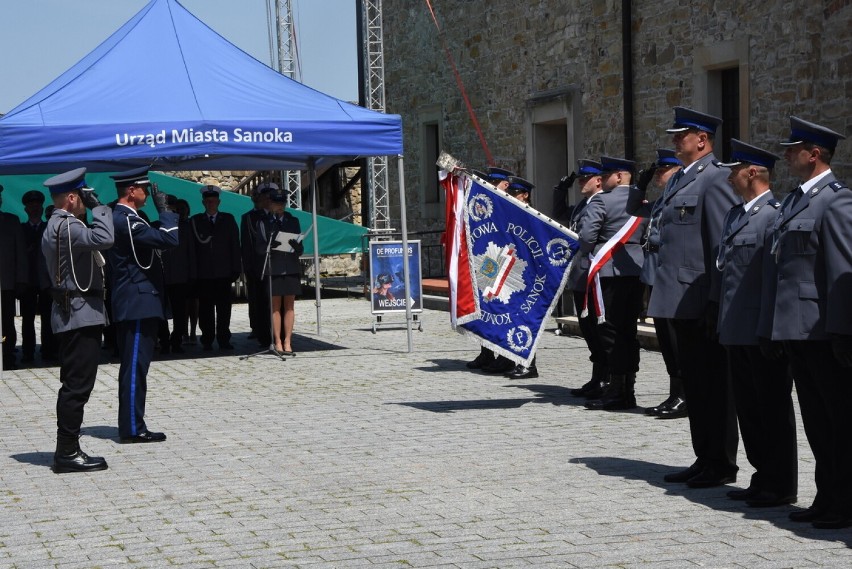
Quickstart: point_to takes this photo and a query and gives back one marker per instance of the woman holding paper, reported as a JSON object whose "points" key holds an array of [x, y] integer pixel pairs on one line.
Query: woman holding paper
{"points": [[282, 235]]}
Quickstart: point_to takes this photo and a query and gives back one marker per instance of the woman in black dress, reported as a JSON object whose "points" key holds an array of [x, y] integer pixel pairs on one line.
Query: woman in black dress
{"points": [[283, 267]]}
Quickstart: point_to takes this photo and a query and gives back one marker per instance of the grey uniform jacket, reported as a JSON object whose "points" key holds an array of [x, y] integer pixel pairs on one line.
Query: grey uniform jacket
{"points": [[636, 205], [579, 270], [810, 296], [69, 251], [603, 218], [745, 243], [691, 216]]}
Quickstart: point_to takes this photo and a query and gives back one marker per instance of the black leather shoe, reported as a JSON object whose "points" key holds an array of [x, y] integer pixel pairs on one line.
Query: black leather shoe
{"points": [[832, 521], [765, 499], [683, 475], [807, 515], [585, 388], [77, 462], [710, 478], [743, 493], [146, 437], [675, 410], [664, 405], [522, 372], [480, 361], [499, 365]]}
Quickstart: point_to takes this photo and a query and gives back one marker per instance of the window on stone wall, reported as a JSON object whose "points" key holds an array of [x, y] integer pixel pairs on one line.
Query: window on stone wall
{"points": [[431, 136]]}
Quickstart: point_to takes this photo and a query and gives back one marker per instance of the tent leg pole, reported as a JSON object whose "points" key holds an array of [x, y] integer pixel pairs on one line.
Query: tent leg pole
{"points": [[405, 262], [315, 235]]}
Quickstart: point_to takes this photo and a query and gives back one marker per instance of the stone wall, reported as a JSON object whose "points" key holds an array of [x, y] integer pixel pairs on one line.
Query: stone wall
{"points": [[796, 56]]}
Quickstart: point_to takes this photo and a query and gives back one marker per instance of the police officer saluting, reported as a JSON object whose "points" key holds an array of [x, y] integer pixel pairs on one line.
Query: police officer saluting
{"points": [[138, 295], [761, 385], [72, 252], [808, 307]]}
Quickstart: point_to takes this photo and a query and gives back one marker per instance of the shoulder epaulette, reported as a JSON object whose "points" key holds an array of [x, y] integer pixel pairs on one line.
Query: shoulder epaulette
{"points": [[774, 203], [837, 186], [716, 162]]}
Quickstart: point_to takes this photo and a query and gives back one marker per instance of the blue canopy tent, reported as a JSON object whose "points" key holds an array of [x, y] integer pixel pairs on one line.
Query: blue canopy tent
{"points": [[167, 91]]}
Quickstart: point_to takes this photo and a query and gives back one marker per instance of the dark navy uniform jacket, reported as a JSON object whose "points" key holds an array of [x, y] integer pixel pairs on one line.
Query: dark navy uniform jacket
{"points": [[252, 260], [136, 271], [217, 246], [281, 263], [14, 269], [745, 243], [691, 218], [810, 296]]}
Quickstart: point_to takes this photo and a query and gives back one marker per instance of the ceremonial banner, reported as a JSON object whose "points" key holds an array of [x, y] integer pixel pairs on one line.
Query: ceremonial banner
{"points": [[518, 261], [455, 249]]}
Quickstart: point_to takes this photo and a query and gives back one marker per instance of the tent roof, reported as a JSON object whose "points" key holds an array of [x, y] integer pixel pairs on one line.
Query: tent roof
{"points": [[168, 91], [335, 237]]}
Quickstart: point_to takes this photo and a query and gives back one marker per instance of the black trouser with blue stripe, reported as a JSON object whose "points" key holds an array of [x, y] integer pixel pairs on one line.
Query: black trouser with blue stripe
{"points": [[136, 340]]}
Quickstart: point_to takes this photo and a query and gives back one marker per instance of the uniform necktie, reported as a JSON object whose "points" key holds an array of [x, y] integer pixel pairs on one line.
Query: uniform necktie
{"points": [[212, 220]]}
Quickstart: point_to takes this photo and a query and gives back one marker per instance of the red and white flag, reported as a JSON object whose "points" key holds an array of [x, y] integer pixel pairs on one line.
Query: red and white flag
{"points": [[455, 247]]}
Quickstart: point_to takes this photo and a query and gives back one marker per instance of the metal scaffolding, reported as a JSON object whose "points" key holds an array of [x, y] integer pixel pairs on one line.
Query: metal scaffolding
{"points": [[377, 178], [287, 62]]}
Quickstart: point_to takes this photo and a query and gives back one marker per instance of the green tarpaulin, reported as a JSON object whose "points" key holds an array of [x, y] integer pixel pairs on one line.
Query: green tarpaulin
{"points": [[335, 237]]}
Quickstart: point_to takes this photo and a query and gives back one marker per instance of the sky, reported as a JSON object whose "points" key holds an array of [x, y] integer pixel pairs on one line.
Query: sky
{"points": [[39, 39]]}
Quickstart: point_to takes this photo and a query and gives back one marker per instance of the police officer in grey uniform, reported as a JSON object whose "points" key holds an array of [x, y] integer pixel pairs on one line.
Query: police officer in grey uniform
{"points": [[658, 175], [606, 223], [761, 386], [75, 263], [686, 289], [589, 181], [809, 308]]}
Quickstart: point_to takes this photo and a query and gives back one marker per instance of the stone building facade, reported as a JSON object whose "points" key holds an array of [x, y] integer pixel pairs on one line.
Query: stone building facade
{"points": [[547, 81]]}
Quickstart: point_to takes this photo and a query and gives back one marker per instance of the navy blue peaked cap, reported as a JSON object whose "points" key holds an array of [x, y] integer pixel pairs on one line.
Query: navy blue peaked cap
{"points": [[498, 174], [134, 177], [518, 184], [686, 119], [667, 157], [611, 164], [589, 168], [742, 153], [804, 131], [67, 181]]}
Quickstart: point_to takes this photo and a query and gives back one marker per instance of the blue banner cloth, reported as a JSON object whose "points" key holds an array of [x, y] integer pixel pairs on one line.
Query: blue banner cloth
{"points": [[519, 262]]}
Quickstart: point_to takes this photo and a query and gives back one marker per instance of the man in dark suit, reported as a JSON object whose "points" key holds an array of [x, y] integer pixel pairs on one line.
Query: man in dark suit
{"points": [[217, 249], [178, 276], [761, 385], [13, 279], [808, 307], [74, 263], [36, 300], [613, 240], [253, 264], [686, 290], [138, 295]]}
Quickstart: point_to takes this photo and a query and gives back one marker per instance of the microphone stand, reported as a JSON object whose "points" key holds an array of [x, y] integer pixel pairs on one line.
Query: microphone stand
{"points": [[267, 268]]}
